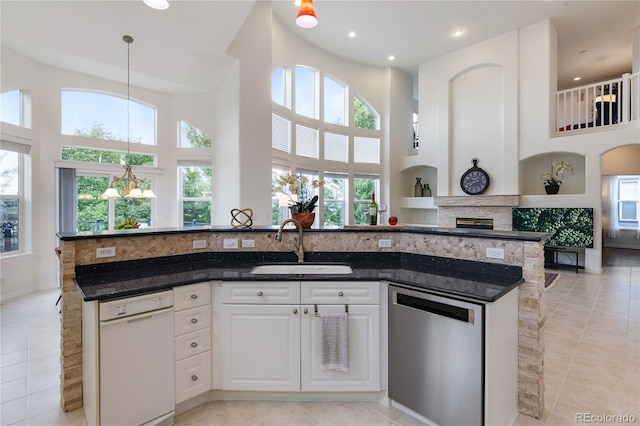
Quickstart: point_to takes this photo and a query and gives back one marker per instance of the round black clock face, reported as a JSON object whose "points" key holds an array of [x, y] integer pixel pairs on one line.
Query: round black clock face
{"points": [[474, 181]]}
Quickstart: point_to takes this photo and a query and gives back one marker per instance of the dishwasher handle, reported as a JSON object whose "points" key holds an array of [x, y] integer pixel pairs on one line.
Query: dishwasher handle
{"points": [[436, 308]]}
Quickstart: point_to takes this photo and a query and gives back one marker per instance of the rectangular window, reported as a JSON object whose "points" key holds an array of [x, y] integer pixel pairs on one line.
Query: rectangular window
{"points": [[76, 153], [305, 91], [307, 142], [335, 197], [280, 133], [363, 187], [366, 150], [336, 147], [335, 102], [279, 202], [195, 193], [93, 210], [628, 199], [10, 201]]}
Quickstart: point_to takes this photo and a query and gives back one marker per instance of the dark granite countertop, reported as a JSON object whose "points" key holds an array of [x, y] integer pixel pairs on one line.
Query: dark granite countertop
{"points": [[463, 232], [481, 281]]}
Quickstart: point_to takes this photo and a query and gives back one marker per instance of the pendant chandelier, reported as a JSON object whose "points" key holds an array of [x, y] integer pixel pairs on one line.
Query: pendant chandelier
{"points": [[307, 15], [128, 185]]}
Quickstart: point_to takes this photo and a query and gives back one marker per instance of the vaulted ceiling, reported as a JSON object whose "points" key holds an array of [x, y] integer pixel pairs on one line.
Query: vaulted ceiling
{"points": [[182, 49]]}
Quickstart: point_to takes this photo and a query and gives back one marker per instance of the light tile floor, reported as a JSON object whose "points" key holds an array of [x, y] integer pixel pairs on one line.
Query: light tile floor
{"points": [[592, 363]]}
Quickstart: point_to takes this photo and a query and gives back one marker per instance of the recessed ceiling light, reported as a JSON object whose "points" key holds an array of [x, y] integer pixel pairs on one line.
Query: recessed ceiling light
{"points": [[392, 58], [458, 32], [352, 34], [297, 3], [577, 79]]}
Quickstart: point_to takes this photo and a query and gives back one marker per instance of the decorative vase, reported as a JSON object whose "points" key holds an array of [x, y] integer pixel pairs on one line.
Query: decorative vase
{"points": [[305, 219], [417, 192], [552, 189]]}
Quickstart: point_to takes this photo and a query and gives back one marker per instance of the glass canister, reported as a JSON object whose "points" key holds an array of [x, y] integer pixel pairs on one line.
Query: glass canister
{"points": [[418, 188], [426, 190]]}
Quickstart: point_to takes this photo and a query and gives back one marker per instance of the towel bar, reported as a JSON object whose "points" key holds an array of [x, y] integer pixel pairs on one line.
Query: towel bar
{"points": [[316, 314]]}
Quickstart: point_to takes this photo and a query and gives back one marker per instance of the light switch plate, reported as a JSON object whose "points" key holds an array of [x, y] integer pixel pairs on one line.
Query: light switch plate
{"points": [[495, 253], [105, 252], [199, 244], [248, 243], [384, 243], [230, 243]]}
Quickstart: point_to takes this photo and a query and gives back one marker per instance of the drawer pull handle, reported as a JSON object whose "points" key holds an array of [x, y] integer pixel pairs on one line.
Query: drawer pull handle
{"points": [[194, 296], [295, 311], [306, 311], [260, 293], [340, 294], [194, 377], [194, 344], [194, 320]]}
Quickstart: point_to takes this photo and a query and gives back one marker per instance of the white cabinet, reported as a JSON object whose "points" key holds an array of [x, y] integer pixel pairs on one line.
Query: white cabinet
{"points": [[271, 335], [192, 349], [261, 347], [364, 351]]}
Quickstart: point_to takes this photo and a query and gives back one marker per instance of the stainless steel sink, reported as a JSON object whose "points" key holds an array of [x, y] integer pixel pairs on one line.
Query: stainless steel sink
{"points": [[301, 268]]}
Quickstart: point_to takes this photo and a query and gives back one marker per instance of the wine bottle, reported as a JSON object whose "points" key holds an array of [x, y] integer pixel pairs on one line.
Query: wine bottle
{"points": [[373, 210]]}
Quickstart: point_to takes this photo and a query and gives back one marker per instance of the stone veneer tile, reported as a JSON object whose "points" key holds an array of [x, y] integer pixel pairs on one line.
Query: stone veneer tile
{"points": [[525, 254]]}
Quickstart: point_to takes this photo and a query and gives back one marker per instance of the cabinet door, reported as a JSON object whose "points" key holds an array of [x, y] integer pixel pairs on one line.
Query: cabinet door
{"points": [[364, 350], [261, 347]]}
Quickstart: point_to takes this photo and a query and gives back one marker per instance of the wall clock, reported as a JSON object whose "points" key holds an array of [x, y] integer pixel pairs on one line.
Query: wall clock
{"points": [[475, 180]]}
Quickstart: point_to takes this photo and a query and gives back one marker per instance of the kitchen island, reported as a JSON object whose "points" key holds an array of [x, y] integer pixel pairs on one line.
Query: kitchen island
{"points": [[422, 248]]}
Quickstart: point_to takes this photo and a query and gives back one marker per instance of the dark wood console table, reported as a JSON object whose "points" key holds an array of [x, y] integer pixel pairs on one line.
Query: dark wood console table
{"points": [[551, 257]]}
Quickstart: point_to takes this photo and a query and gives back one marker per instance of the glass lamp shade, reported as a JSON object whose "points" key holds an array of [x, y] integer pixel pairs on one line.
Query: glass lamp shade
{"points": [[307, 15], [111, 192], [157, 4], [148, 193], [135, 193]]}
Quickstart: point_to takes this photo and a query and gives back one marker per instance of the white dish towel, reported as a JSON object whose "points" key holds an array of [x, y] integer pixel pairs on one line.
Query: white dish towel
{"points": [[334, 331]]}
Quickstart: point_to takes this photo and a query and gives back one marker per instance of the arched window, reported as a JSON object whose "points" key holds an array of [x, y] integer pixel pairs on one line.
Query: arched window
{"points": [[328, 138], [103, 116]]}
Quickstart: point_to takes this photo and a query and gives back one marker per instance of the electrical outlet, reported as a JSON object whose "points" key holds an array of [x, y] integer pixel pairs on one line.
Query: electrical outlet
{"points": [[495, 253], [248, 243], [230, 243], [105, 252], [384, 243], [199, 244]]}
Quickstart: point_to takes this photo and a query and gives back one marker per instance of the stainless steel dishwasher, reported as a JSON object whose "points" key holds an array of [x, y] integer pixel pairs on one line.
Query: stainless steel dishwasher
{"points": [[436, 356]]}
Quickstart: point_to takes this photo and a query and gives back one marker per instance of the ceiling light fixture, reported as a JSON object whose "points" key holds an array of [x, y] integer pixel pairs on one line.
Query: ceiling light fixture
{"points": [[307, 15], [577, 79], [157, 4], [458, 33], [128, 185], [392, 58], [352, 34]]}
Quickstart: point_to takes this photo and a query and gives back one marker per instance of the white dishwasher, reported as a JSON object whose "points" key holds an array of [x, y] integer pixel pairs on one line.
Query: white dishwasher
{"points": [[136, 361]]}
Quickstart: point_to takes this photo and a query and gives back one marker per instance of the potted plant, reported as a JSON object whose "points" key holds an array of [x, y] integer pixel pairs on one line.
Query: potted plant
{"points": [[297, 190], [552, 180], [128, 223]]}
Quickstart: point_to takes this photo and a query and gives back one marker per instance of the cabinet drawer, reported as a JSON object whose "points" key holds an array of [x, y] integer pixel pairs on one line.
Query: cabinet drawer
{"points": [[190, 296], [274, 293], [192, 319], [352, 292], [192, 343], [193, 376]]}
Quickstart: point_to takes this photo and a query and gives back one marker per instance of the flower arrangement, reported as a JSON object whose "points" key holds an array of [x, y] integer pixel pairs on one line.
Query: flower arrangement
{"points": [[298, 189], [558, 169]]}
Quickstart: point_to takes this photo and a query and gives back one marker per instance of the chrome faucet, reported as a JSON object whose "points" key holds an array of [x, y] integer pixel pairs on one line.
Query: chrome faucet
{"points": [[299, 248]]}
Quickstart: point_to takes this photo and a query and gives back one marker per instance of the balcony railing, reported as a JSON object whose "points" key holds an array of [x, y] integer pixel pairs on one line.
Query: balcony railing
{"points": [[595, 106]]}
